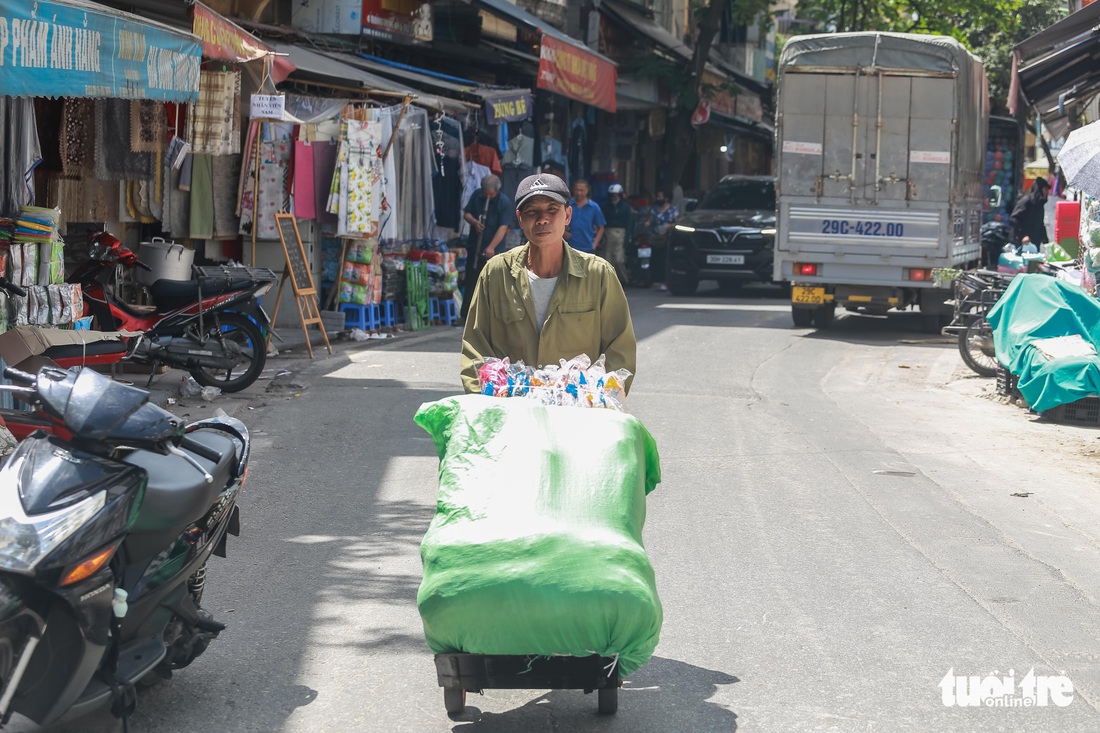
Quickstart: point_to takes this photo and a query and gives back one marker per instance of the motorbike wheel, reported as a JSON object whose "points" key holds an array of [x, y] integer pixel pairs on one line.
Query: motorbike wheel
{"points": [[239, 330], [975, 346]]}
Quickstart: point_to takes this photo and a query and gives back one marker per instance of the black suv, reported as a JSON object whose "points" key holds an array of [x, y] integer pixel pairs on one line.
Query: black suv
{"points": [[729, 237]]}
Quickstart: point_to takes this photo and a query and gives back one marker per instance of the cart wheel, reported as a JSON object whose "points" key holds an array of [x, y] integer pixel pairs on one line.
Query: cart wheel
{"points": [[454, 700], [608, 700]]}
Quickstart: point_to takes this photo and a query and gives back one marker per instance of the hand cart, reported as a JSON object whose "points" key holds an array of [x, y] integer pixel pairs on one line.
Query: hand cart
{"points": [[462, 673]]}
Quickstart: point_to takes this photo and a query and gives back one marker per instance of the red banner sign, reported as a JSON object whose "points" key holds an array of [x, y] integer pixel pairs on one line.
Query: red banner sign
{"points": [[575, 73], [226, 41]]}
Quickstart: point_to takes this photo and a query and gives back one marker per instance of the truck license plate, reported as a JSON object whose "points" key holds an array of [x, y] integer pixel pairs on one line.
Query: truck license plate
{"points": [[725, 259], [812, 296]]}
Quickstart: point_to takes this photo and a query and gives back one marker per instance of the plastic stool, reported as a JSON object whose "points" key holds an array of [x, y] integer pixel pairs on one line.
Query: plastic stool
{"points": [[433, 309], [388, 310], [449, 312], [365, 317]]}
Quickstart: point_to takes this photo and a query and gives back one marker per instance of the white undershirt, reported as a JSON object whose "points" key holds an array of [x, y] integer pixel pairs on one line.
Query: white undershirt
{"points": [[541, 290]]}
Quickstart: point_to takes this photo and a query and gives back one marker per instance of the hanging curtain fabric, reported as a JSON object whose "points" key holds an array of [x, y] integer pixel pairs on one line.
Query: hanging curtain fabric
{"points": [[148, 126], [114, 160], [77, 136], [214, 125], [274, 185]]}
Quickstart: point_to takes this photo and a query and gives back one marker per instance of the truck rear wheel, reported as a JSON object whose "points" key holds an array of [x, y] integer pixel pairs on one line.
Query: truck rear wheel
{"points": [[802, 317], [824, 314]]}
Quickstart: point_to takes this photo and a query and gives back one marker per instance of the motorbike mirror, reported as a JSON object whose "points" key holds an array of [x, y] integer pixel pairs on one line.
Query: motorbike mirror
{"points": [[995, 197]]}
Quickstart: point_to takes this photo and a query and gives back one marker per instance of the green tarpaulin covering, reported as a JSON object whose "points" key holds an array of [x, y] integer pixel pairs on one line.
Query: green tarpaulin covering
{"points": [[1039, 307], [536, 545]]}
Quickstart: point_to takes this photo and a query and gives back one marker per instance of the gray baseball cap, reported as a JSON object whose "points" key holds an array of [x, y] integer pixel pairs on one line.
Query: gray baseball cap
{"points": [[542, 184]]}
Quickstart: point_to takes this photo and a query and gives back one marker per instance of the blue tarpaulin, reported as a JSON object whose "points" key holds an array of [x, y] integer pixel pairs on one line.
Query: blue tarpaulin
{"points": [[73, 48]]}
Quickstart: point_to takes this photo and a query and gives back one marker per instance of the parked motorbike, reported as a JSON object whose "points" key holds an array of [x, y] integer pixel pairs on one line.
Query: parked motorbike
{"points": [[638, 256], [104, 542], [995, 235], [974, 294], [209, 326]]}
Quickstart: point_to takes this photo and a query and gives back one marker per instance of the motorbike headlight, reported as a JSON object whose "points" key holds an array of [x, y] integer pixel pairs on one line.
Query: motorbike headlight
{"points": [[25, 540]]}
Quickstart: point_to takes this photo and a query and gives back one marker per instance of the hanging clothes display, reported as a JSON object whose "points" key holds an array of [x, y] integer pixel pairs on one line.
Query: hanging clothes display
{"points": [[447, 181], [176, 204], [274, 184], [227, 169], [304, 189], [578, 142], [214, 123], [356, 191], [414, 165], [324, 167], [148, 126], [114, 160], [202, 196], [21, 153], [387, 221], [484, 155]]}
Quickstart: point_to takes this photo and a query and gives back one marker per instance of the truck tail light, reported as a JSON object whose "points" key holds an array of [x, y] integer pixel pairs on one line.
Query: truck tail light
{"points": [[803, 269], [921, 275]]}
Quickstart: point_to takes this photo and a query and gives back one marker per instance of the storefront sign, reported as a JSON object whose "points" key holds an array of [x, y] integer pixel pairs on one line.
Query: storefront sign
{"points": [[508, 108], [403, 21], [224, 40], [575, 73], [268, 107], [50, 49], [749, 107], [701, 114]]}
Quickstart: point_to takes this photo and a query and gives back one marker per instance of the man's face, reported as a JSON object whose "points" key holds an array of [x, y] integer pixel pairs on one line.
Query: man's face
{"points": [[615, 198], [580, 191], [543, 220], [489, 191]]}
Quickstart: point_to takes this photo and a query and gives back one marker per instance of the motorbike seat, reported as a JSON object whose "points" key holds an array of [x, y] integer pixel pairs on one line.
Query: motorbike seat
{"points": [[92, 349], [171, 294], [177, 494]]}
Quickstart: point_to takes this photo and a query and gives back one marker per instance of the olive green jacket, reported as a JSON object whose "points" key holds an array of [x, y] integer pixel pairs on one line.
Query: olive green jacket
{"points": [[588, 314]]}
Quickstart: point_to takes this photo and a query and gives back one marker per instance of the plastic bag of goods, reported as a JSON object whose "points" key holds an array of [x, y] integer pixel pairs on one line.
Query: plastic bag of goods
{"points": [[536, 545]]}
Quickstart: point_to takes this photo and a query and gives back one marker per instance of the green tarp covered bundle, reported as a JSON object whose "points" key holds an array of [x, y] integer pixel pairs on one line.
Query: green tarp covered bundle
{"points": [[1037, 307], [536, 545]]}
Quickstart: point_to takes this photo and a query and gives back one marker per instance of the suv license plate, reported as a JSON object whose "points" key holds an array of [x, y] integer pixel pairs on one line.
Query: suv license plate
{"points": [[725, 259], [645, 251], [812, 296]]}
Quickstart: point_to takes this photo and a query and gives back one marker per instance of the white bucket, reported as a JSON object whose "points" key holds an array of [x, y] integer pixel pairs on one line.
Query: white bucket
{"points": [[168, 260]]}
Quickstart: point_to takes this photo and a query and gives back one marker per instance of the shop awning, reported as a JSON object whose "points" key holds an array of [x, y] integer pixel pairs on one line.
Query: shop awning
{"points": [[75, 48], [566, 66], [1059, 67], [224, 40], [502, 104], [312, 66]]}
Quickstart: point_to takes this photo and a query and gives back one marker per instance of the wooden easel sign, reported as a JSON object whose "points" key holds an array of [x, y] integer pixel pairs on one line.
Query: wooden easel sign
{"points": [[301, 279]]}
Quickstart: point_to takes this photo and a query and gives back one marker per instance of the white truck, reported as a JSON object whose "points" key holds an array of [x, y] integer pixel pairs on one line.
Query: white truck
{"points": [[880, 145]]}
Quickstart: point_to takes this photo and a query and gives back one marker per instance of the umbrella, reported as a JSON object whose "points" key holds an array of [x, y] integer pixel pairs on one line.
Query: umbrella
{"points": [[1080, 159]]}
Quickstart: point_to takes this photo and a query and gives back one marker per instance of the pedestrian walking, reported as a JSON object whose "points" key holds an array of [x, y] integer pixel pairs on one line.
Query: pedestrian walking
{"points": [[619, 217], [1029, 215], [585, 232], [490, 215], [662, 217]]}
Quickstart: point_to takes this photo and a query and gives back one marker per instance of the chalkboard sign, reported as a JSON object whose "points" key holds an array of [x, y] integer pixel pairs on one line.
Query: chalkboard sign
{"points": [[300, 277]]}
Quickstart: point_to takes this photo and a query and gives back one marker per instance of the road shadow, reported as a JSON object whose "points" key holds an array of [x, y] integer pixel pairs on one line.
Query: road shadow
{"points": [[664, 695]]}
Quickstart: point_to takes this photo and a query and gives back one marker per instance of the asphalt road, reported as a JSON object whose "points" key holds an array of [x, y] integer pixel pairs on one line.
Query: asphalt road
{"points": [[838, 530]]}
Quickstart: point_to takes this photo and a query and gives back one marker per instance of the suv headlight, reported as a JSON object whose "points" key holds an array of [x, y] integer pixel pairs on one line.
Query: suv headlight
{"points": [[768, 232], [25, 540], [682, 228]]}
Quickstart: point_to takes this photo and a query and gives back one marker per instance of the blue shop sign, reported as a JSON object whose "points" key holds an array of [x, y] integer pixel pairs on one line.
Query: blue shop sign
{"points": [[509, 107], [57, 49]]}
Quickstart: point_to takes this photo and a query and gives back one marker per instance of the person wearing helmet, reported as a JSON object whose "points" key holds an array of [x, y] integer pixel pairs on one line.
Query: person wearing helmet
{"points": [[617, 212]]}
